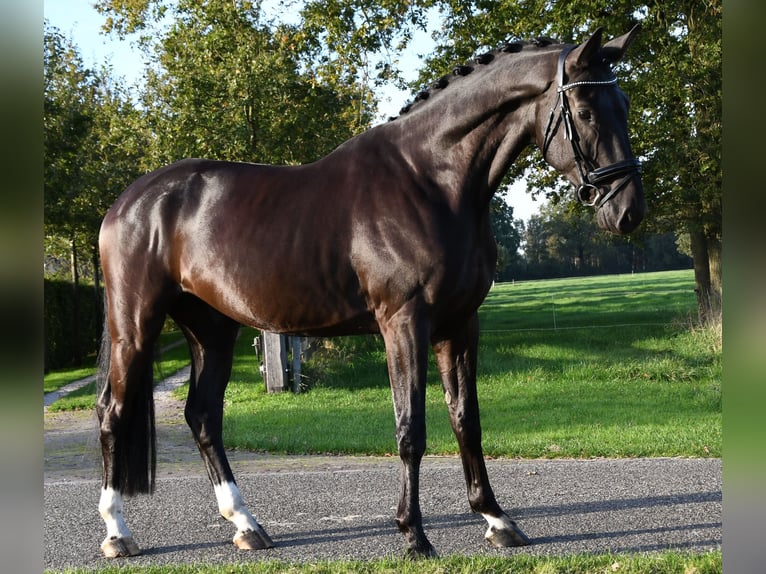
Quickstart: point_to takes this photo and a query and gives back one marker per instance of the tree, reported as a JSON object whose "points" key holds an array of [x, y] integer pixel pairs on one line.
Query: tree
{"points": [[93, 139], [92, 142], [681, 97], [508, 232], [673, 75], [229, 85], [68, 97], [563, 240], [69, 91]]}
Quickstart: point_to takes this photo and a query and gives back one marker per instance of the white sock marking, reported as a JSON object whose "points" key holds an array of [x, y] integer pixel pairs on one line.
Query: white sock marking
{"points": [[110, 508], [232, 506], [497, 522]]}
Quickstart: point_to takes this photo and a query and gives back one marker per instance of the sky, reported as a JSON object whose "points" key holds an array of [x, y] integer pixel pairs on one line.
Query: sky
{"points": [[78, 20]]}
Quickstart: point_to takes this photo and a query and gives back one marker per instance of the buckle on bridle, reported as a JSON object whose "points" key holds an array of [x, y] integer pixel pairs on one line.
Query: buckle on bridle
{"points": [[588, 194]]}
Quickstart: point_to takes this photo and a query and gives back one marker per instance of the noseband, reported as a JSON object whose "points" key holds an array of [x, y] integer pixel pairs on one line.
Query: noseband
{"points": [[588, 192]]}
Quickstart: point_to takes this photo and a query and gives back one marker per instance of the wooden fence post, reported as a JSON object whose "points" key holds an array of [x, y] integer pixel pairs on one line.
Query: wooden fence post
{"points": [[295, 346], [275, 362]]}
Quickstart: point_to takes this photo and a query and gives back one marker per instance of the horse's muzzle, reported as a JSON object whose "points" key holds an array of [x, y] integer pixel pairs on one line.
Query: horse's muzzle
{"points": [[625, 212]]}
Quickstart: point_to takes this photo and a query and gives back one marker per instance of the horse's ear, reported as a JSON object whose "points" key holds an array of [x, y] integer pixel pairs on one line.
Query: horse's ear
{"points": [[614, 50], [586, 52]]}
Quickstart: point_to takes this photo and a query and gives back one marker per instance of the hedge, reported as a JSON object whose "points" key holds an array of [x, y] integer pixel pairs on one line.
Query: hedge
{"points": [[68, 344]]}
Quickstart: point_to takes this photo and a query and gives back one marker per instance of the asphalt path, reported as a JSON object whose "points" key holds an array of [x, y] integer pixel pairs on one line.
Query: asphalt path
{"points": [[327, 507], [319, 508]]}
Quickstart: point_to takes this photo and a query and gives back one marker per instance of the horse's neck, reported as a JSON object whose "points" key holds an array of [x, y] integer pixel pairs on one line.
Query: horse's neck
{"points": [[469, 135]]}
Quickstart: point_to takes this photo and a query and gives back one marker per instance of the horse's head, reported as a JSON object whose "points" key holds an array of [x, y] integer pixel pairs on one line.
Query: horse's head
{"points": [[585, 136]]}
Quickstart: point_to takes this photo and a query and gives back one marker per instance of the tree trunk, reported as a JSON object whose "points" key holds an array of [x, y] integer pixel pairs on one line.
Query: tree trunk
{"points": [[716, 283], [76, 354], [97, 292], [702, 283]]}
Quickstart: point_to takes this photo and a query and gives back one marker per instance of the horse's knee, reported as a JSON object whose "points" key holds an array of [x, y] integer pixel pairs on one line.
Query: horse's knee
{"points": [[411, 442]]}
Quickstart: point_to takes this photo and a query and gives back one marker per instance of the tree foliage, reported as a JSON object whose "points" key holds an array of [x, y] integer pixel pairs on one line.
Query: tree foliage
{"points": [[231, 86], [563, 241], [68, 98], [508, 235], [93, 142], [228, 80]]}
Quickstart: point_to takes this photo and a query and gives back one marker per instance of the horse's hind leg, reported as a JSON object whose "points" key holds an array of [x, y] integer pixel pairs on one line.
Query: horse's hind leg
{"points": [[125, 409], [456, 358], [211, 337]]}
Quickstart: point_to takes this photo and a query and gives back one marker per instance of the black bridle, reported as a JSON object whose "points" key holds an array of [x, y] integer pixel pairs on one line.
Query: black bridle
{"points": [[589, 191]]}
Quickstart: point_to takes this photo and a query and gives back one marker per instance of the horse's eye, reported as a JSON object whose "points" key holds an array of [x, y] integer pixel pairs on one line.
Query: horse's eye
{"points": [[584, 115]]}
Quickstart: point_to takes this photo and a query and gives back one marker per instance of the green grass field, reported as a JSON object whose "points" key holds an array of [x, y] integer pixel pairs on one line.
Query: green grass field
{"points": [[600, 366], [671, 562], [621, 374]]}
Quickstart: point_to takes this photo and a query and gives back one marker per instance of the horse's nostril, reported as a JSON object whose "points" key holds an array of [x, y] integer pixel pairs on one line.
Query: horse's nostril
{"points": [[629, 220]]}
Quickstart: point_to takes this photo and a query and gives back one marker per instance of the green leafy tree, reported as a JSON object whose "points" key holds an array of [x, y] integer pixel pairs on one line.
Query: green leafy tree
{"points": [[69, 93], [93, 142], [673, 75], [361, 39], [93, 137], [227, 84], [563, 240], [68, 99], [508, 233]]}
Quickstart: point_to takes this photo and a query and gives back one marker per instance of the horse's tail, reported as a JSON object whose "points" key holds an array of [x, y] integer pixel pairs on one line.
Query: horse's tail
{"points": [[133, 436], [104, 356]]}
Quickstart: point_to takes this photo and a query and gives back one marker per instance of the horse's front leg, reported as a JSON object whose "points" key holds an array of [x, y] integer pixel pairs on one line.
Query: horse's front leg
{"points": [[406, 339], [211, 338], [456, 357]]}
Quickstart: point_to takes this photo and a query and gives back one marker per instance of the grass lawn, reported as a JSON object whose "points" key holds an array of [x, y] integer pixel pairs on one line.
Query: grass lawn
{"points": [[622, 374], [587, 367], [659, 563]]}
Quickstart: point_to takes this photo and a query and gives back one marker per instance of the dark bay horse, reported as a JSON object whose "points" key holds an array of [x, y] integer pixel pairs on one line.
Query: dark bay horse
{"points": [[390, 234]]}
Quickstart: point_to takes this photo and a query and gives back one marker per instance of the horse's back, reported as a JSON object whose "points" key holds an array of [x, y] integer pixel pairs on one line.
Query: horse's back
{"points": [[257, 242]]}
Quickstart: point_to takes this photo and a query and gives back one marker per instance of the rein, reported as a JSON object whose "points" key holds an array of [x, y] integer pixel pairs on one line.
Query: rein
{"points": [[588, 192]]}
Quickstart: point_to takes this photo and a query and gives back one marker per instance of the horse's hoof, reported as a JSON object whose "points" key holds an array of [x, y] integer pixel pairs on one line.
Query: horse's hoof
{"points": [[253, 540], [120, 547], [506, 537], [421, 553]]}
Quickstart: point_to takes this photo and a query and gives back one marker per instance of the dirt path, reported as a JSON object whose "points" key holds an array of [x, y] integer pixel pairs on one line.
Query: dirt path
{"points": [[72, 449]]}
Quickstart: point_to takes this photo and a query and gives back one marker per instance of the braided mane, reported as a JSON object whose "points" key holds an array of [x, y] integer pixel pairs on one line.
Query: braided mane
{"points": [[462, 70]]}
